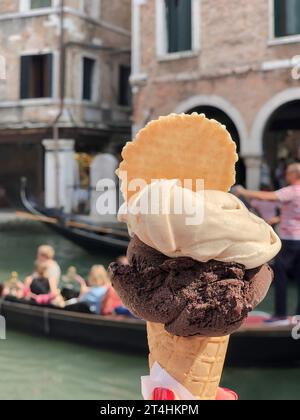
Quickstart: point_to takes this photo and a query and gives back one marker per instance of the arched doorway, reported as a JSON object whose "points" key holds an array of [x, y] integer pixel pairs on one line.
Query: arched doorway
{"points": [[212, 112], [281, 140]]}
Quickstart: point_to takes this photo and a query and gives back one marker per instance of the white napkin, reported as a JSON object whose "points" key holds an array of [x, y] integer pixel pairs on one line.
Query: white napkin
{"points": [[159, 378]]}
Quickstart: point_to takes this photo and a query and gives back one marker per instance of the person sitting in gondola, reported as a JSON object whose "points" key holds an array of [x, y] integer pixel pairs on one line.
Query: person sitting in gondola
{"points": [[46, 255], [112, 304], [91, 301], [3, 291], [72, 285], [14, 287], [41, 289]]}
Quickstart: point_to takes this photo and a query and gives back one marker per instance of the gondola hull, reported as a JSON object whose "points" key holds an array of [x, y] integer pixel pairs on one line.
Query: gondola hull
{"points": [[104, 332], [251, 346], [93, 241]]}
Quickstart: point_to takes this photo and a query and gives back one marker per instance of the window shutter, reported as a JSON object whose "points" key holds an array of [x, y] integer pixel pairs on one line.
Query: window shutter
{"points": [[179, 25], [124, 86], [286, 17], [25, 77], [184, 14], [279, 11], [172, 25], [292, 17], [88, 75]]}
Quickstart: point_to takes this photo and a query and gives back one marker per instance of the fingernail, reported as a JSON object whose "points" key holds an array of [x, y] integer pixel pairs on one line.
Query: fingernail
{"points": [[160, 394], [236, 397]]}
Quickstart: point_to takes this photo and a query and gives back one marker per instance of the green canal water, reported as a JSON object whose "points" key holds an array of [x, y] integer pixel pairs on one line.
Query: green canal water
{"points": [[38, 368]]}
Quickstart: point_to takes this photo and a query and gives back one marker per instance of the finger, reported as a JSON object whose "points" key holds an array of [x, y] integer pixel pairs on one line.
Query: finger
{"points": [[226, 395]]}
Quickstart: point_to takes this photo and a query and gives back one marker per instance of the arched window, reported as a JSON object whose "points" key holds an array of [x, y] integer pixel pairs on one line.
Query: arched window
{"points": [[281, 140]]}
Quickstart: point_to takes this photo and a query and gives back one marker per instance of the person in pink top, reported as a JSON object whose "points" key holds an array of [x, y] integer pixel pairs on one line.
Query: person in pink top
{"points": [[268, 210], [287, 262]]}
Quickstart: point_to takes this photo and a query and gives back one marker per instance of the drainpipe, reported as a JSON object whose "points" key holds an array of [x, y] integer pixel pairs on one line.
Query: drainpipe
{"points": [[62, 80], [62, 71]]}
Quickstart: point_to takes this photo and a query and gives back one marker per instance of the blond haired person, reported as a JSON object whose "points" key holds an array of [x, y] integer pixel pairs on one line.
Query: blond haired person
{"points": [[46, 255], [92, 299], [40, 288], [98, 277]]}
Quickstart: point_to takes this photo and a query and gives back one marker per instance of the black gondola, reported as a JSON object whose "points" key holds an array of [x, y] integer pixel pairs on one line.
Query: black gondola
{"points": [[256, 345], [111, 239]]}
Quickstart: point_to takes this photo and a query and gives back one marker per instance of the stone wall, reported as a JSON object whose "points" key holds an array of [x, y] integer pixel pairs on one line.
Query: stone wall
{"points": [[99, 37]]}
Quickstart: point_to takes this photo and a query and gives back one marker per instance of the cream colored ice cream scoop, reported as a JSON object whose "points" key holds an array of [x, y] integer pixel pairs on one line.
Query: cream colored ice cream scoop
{"points": [[208, 225]]}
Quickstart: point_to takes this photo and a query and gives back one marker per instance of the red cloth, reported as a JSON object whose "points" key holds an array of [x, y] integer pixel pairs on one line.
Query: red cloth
{"points": [[44, 299], [41, 299], [111, 302]]}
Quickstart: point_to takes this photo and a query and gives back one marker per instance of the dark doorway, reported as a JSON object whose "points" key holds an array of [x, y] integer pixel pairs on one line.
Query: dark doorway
{"points": [[282, 140]]}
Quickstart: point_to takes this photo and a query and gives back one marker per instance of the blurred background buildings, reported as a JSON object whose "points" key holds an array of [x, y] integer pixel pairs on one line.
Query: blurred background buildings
{"points": [[68, 67], [232, 60]]}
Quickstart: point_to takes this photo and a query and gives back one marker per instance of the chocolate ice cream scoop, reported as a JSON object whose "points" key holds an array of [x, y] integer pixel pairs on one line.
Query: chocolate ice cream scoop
{"points": [[189, 297]]}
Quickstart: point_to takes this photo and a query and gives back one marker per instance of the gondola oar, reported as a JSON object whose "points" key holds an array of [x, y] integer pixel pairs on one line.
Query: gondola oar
{"points": [[43, 219], [72, 224], [98, 229]]}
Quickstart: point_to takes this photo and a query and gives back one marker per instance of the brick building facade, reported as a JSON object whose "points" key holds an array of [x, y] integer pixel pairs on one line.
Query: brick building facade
{"points": [[66, 61], [235, 60]]}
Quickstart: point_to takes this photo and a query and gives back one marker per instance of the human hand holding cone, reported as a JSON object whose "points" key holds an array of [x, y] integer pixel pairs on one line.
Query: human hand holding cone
{"points": [[195, 362], [191, 289]]}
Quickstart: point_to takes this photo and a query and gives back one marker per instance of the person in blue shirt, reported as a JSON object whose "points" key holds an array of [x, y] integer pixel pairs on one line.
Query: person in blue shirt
{"points": [[94, 294], [98, 284]]}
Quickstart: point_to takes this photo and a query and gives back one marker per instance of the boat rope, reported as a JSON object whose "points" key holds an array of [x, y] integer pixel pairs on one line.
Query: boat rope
{"points": [[46, 322]]}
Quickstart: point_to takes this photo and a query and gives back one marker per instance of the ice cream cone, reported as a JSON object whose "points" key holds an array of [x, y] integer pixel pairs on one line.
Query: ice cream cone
{"points": [[195, 362], [184, 148]]}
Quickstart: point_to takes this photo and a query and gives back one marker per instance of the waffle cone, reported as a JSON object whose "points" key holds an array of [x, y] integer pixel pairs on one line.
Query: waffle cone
{"points": [[183, 147], [196, 362]]}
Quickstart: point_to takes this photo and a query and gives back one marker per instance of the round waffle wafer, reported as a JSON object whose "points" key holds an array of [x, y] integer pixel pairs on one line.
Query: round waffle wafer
{"points": [[184, 147]]}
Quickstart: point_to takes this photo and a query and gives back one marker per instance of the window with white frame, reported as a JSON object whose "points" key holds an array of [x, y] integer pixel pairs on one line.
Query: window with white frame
{"points": [[178, 26], [286, 18]]}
